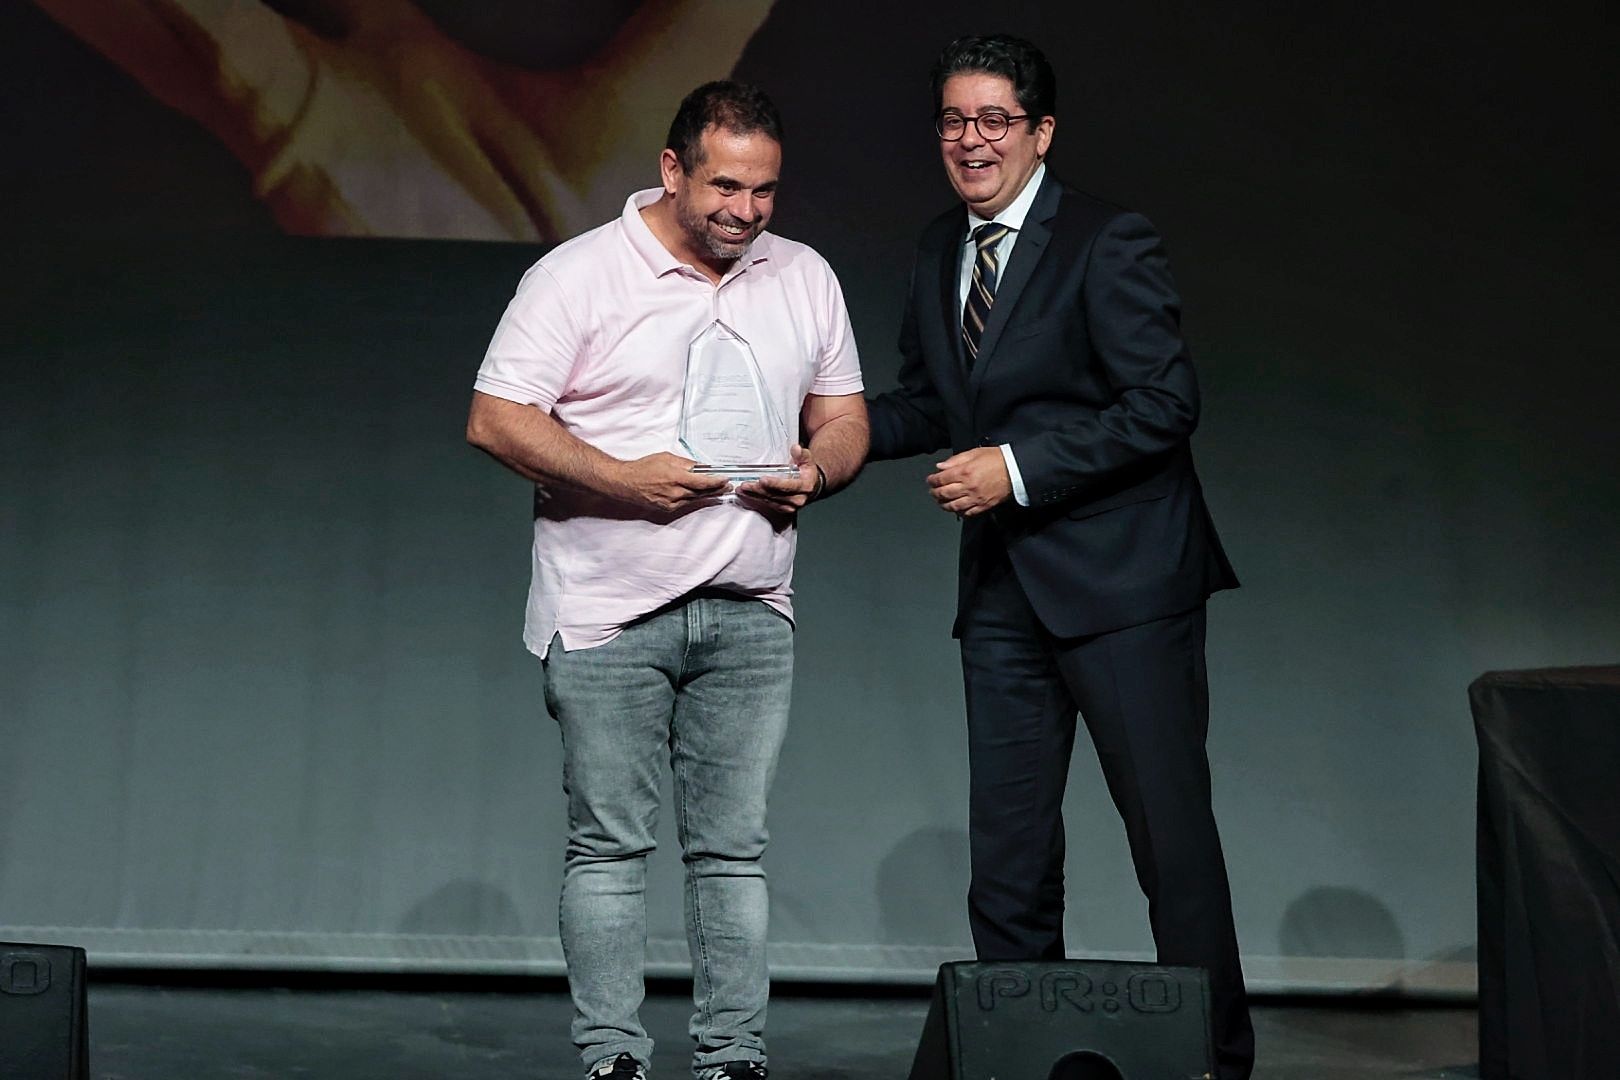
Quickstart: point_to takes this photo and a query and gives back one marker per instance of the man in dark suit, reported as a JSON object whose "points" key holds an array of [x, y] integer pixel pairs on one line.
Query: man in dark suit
{"points": [[1041, 343]]}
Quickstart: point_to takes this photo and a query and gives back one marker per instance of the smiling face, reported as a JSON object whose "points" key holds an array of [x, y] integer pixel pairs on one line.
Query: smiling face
{"points": [[726, 200], [989, 175]]}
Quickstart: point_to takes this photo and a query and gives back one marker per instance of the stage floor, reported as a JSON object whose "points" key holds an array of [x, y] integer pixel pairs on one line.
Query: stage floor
{"points": [[519, 1031]]}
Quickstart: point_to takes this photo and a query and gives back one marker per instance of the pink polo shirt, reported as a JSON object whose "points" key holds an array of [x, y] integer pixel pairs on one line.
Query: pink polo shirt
{"points": [[597, 336]]}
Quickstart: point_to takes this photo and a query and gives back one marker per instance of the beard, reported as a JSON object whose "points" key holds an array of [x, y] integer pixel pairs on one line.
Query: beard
{"points": [[696, 227]]}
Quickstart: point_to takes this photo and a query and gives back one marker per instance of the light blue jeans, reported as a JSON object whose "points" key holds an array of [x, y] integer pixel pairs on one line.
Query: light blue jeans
{"points": [[708, 681]]}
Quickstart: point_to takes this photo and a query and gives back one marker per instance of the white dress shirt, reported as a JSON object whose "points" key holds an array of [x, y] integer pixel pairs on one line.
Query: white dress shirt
{"points": [[1012, 216]]}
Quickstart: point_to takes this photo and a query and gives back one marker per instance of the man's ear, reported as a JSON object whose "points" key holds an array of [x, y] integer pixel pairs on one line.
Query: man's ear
{"points": [[669, 167], [1043, 134]]}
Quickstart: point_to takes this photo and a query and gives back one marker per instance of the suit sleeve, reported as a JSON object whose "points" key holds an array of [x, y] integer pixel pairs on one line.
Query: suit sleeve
{"points": [[1134, 318], [910, 420]]}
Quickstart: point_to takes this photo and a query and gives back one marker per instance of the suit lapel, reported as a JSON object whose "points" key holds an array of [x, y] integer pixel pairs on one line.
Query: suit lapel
{"points": [[1031, 244], [950, 269]]}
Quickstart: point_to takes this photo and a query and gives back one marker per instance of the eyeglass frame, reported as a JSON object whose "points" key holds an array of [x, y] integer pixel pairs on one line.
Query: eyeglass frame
{"points": [[939, 121]]}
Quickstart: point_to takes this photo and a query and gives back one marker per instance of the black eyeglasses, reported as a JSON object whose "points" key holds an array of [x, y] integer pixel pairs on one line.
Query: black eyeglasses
{"points": [[991, 126]]}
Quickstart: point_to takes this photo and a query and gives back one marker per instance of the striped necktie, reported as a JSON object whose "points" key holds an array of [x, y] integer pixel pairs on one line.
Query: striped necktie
{"points": [[982, 290]]}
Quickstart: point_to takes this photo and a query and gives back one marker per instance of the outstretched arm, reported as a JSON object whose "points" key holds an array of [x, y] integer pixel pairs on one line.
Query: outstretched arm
{"points": [[911, 419]]}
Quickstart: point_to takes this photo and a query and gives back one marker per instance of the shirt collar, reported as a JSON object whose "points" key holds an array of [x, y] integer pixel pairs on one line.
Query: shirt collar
{"points": [[1013, 214], [658, 257]]}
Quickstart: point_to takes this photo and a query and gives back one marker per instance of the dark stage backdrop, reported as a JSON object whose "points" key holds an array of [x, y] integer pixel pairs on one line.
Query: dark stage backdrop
{"points": [[262, 696]]}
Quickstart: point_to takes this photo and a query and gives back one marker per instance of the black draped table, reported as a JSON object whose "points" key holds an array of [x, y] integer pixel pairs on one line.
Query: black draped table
{"points": [[1549, 873]]}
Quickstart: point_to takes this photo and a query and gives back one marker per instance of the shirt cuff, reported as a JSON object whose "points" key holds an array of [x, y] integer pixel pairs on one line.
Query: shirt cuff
{"points": [[1020, 496]]}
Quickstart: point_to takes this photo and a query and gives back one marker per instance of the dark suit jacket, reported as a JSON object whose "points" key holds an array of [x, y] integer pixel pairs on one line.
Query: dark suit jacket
{"points": [[1082, 369]]}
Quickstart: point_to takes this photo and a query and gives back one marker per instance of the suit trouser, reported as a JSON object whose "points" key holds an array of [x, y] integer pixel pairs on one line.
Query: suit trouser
{"points": [[1143, 692]]}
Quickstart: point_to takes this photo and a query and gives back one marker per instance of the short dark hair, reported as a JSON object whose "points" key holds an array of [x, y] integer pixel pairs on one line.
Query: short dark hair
{"points": [[1013, 58], [732, 106]]}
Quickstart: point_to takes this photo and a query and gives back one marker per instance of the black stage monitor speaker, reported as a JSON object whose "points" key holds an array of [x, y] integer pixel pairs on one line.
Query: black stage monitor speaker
{"points": [[43, 1030], [1070, 1020]]}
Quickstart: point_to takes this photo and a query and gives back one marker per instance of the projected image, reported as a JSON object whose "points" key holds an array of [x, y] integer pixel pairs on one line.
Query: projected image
{"points": [[363, 118]]}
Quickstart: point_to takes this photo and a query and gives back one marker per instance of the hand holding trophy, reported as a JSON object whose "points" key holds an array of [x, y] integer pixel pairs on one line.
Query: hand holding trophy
{"points": [[729, 425]]}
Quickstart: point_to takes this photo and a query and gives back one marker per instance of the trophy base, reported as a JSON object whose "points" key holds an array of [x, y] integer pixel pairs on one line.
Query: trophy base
{"points": [[747, 472]]}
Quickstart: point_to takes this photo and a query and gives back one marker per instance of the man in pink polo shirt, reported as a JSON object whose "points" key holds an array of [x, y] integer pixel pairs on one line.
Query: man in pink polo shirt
{"points": [[661, 597]]}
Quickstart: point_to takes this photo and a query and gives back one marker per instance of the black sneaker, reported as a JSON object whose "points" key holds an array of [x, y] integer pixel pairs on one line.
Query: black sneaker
{"points": [[735, 1070], [623, 1067]]}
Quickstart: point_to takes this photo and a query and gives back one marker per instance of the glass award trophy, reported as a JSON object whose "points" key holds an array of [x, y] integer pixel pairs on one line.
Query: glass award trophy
{"points": [[728, 424]]}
